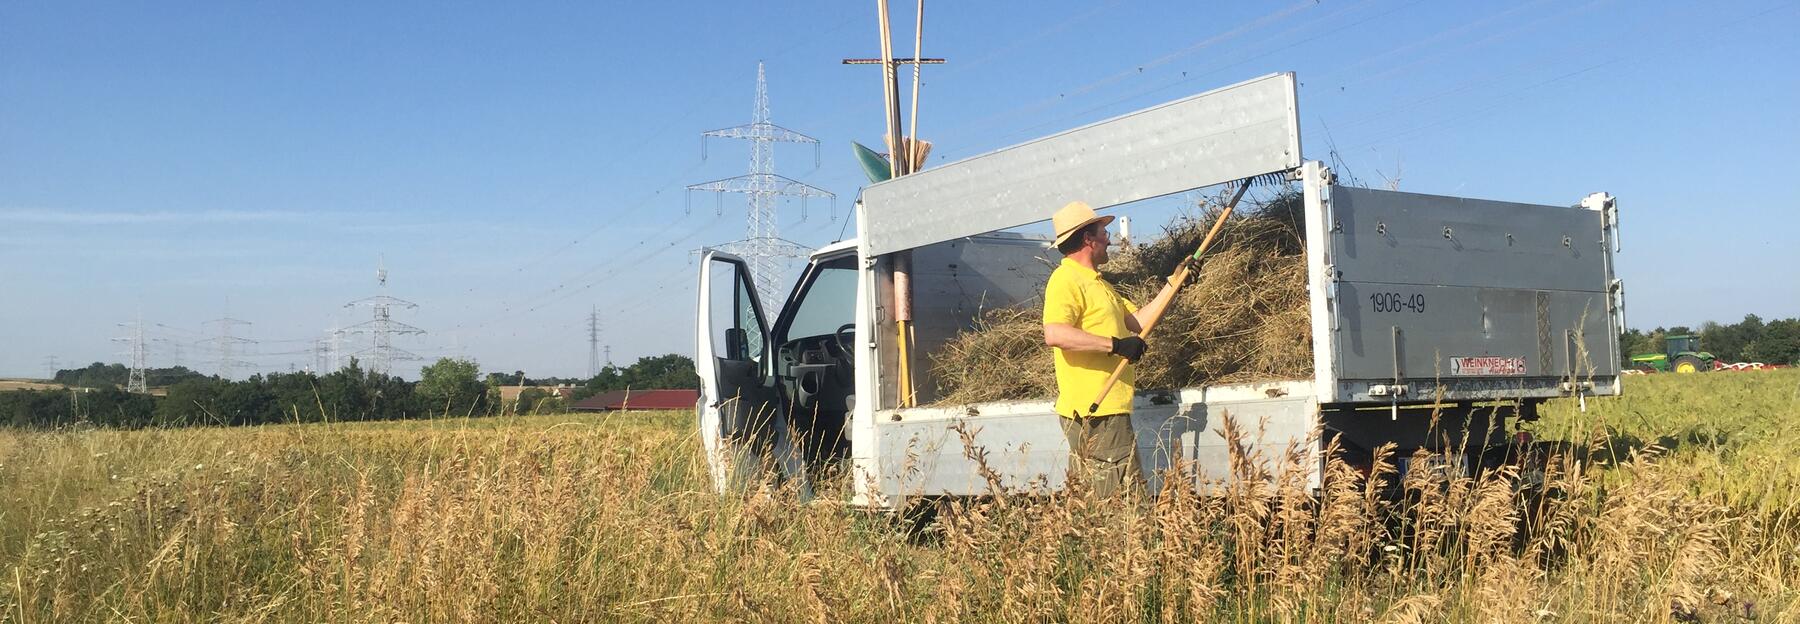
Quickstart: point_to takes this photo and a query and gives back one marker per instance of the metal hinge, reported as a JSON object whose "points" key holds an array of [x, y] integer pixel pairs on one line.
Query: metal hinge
{"points": [[1331, 293], [1386, 390], [1580, 389]]}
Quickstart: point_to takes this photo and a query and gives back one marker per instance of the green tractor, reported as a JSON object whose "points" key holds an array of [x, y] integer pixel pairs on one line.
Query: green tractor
{"points": [[1681, 354]]}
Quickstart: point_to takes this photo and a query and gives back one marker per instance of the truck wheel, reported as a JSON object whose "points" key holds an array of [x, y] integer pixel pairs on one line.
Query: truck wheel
{"points": [[1690, 364]]}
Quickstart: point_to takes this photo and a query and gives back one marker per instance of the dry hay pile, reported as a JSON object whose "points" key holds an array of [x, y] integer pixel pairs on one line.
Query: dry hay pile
{"points": [[1243, 319]]}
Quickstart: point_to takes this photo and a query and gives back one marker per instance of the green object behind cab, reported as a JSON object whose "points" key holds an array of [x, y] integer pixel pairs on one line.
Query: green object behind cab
{"points": [[873, 164]]}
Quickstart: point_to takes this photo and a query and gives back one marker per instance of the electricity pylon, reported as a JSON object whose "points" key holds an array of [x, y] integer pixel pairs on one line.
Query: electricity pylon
{"points": [[762, 247], [382, 328], [227, 345], [134, 339], [593, 342]]}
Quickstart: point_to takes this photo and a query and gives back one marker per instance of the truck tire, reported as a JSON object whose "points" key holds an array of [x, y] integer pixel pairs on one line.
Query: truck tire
{"points": [[1689, 364]]}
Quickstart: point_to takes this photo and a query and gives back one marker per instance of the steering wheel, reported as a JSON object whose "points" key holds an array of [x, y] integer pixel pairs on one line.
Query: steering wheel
{"points": [[844, 336]]}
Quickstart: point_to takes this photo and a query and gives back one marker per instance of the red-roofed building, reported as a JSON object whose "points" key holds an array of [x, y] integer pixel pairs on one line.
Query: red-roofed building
{"points": [[639, 400]]}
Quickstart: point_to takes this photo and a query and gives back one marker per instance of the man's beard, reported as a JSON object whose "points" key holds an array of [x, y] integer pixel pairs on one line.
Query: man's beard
{"points": [[1100, 256]]}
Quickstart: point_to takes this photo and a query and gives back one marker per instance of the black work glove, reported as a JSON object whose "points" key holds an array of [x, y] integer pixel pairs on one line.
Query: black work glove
{"points": [[1130, 347], [1193, 267]]}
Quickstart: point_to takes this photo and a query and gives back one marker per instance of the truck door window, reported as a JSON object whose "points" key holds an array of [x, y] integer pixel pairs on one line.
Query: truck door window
{"points": [[732, 309], [829, 302]]}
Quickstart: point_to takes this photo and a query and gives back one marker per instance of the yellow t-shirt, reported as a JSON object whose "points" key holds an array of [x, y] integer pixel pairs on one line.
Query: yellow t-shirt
{"points": [[1076, 296]]}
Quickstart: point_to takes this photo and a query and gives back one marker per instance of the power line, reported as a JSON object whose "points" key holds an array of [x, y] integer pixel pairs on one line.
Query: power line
{"points": [[1136, 69], [1190, 76], [1510, 96], [549, 297]]}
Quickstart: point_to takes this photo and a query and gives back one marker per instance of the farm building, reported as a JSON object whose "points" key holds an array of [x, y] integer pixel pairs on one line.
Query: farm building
{"points": [[510, 394], [638, 400]]}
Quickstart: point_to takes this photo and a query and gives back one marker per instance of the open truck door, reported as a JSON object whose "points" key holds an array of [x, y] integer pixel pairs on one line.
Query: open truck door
{"points": [[738, 408]]}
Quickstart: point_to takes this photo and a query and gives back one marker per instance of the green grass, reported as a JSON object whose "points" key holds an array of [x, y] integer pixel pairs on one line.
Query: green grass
{"points": [[1684, 504], [1736, 436]]}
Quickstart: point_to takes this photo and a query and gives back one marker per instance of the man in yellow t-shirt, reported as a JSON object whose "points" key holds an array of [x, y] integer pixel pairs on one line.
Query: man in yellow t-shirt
{"points": [[1089, 327]]}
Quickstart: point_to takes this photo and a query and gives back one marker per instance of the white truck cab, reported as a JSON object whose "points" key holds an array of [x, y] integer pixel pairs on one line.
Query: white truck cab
{"points": [[1420, 304]]}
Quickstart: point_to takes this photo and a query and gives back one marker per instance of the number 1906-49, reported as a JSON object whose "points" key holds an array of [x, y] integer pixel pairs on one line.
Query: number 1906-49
{"points": [[1397, 302]]}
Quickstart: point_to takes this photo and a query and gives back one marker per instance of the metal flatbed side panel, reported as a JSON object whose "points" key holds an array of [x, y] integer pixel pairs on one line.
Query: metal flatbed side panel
{"points": [[955, 281], [1463, 299], [1412, 238], [923, 454], [1247, 129], [1551, 335]]}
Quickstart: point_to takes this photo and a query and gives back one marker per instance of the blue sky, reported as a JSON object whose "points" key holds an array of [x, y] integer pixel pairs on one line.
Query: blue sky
{"points": [[514, 164]]}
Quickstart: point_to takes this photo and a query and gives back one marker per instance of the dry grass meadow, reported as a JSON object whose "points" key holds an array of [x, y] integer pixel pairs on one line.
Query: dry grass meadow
{"points": [[27, 384], [1679, 502]]}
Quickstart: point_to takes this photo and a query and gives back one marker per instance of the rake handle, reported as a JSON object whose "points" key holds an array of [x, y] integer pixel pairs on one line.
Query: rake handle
{"points": [[1177, 280]]}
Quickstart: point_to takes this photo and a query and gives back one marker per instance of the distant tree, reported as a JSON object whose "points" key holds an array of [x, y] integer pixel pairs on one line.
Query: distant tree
{"points": [[294, 397], [1779, 343], [452, 386], [114, 407], [39, 408], [1636, 342], [96, 375], [648, 373], [159, 377], [193, 402], [535, 400], [1730, 342], [515, 378], [1749, 340]]}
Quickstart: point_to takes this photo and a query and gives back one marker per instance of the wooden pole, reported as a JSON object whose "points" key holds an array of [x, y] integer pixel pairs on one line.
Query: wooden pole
{"points": [[913, 157], [897, 166]]}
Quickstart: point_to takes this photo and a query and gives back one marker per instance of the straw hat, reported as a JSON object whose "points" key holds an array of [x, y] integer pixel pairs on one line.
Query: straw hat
{"points": [[1073, 217]]}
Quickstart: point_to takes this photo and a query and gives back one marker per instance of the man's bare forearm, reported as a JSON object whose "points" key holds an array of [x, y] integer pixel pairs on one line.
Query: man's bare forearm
{"points": [[1071, 338], [1152, 309]]}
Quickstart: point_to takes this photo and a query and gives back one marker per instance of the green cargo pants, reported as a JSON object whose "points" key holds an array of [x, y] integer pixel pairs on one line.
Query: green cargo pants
{"points": [[1103, 454]]}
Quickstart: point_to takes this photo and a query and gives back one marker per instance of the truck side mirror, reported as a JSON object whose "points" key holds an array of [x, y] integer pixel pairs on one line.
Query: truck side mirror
{"points": [[735, 347]]}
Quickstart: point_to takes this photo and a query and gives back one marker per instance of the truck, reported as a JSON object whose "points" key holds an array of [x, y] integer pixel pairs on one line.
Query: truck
{"points": [[1436, 322]]}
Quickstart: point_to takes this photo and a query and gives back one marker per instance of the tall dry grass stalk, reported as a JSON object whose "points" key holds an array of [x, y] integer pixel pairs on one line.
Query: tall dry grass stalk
{"points": [[576, 518]]}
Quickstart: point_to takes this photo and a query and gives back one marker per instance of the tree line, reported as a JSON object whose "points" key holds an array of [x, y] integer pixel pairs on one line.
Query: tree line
{"points": [[101, 375], [448, 387], [1749, 340]]}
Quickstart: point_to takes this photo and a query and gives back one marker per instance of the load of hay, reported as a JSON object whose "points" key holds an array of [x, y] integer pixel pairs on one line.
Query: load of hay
{"points": [[1244, 318]]}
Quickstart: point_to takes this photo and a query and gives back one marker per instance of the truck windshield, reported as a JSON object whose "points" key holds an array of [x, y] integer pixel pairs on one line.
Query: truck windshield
{"points": [[829, 302]]}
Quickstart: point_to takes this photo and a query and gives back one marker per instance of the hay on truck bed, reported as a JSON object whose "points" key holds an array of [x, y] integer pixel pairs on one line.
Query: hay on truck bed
{"points": [[1243, 319]]}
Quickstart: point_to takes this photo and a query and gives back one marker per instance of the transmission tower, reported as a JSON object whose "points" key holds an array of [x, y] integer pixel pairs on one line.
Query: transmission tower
{"points": [[593, 341], [318, 364], [765, 251], [382, 328], [134, 348], [226, 345], [53, 365], [334, 346]]}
